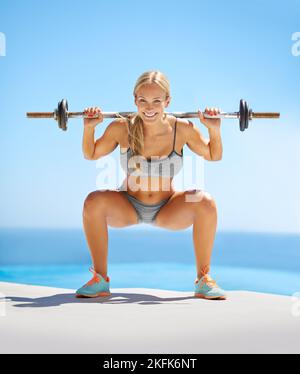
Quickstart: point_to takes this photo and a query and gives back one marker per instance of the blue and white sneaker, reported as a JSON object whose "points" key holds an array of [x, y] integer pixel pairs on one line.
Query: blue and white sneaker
{"points": [[96, 287], [207, 288]]}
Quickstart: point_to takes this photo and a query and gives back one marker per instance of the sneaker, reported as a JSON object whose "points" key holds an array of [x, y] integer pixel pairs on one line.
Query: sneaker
{"points": [[96, 287], [207, 288]]}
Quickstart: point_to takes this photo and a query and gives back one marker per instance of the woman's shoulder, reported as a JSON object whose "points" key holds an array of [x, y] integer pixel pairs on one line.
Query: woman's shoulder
{"points": [[120, 129], [183, 126]]}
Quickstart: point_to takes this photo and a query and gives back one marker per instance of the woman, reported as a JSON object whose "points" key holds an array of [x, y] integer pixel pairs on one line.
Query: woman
{"points": [[151, 145]]}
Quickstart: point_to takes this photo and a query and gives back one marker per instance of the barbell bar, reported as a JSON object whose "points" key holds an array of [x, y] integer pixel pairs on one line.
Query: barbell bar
{"points": [[244, 115]]}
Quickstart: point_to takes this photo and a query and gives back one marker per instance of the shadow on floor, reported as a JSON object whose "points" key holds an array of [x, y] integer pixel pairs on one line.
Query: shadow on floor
{"points": [[115, 298]]}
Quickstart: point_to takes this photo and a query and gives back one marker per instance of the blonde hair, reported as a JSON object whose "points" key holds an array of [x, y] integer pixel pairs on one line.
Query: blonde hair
{"points": [[135, 123]]}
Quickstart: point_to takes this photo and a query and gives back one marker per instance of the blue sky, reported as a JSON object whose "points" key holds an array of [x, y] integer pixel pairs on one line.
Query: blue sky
{"points": [[92, 52]]}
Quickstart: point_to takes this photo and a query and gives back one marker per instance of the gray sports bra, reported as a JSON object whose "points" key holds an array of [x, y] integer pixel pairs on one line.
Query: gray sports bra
{"points": [[166, 167]]}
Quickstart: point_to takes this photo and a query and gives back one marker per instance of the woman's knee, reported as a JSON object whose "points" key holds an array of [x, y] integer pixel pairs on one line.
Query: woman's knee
{"points": [[202, 201], [95, 203]]}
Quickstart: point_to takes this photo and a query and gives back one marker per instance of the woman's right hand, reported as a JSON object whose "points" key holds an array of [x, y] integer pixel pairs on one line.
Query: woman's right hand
{"points": [[92, 122]]}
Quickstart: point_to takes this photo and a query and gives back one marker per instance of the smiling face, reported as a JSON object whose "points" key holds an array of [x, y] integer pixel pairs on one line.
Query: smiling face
{"points": [[151, 102]]}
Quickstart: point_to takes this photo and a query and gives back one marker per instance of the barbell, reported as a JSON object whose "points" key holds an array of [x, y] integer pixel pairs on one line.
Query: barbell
{"points": [[244, 115]]}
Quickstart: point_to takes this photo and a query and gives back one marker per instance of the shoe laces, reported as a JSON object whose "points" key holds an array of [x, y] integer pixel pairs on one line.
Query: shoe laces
{"points": [[207, 279], [95, 279]]}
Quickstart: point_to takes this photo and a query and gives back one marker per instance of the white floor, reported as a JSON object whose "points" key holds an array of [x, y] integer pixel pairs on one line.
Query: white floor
{"points": [[36, 319]]}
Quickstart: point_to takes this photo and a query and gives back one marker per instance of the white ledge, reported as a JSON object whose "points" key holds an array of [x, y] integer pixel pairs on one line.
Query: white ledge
{"points": [[35, 319]]}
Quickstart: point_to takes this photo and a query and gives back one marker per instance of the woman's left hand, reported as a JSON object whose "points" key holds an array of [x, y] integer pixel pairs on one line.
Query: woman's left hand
{"points": [[210, 123]]}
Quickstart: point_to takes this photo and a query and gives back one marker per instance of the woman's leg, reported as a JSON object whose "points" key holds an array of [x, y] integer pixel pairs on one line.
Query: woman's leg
{"points": [[204, 231], [103, 208], [195, 208]]}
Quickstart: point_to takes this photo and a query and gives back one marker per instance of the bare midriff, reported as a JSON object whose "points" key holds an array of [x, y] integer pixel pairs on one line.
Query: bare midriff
{"points": [[149, 190]]}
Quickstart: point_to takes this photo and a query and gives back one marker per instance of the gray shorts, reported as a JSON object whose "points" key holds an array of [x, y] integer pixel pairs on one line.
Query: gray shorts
{"points": [[146, 212]]}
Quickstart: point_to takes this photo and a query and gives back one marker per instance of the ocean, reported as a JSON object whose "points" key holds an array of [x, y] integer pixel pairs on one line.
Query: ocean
{"points": [[158, 258]]}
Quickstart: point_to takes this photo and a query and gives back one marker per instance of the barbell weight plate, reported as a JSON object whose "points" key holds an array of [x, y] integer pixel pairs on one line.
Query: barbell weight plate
{"points": [[246, 115], [58, 114], [66, 114], [62, 114], [242, 115]]}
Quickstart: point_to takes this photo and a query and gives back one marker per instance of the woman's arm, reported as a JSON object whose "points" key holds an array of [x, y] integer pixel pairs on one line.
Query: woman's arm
{"points": [[104, 145], [88, 142], [210, 149], [196, 141], [215, 144]]}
